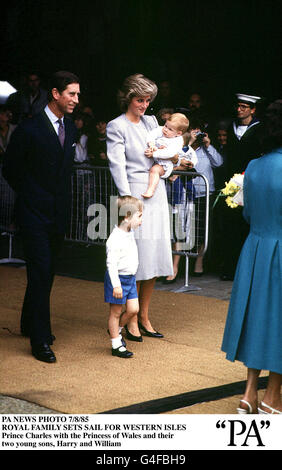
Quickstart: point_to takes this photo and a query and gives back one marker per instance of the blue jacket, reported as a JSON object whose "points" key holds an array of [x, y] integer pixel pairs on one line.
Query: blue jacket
{"points": [[253, 330]]}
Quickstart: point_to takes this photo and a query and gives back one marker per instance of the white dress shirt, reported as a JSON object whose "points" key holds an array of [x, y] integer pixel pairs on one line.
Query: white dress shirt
{"points": [[53, 118]]}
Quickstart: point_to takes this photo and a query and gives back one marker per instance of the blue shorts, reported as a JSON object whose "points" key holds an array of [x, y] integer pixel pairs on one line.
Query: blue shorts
{"points": [[129, 289]]}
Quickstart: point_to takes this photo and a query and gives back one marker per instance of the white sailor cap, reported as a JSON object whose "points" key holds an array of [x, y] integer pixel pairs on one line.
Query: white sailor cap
{"points": [[247, 98]]}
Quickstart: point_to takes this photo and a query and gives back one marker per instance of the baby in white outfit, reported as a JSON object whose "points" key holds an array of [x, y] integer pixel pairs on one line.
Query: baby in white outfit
{"points": [[165, 145]]}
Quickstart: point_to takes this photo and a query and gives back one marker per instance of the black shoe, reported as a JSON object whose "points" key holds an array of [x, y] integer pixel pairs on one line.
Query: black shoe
{"points": [[43, 352], [124, 354], [131, 337], [198, 274], [152, 334]]}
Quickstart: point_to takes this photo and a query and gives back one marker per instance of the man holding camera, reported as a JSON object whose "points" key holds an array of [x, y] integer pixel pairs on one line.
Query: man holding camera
{"points": [[208, 158]]}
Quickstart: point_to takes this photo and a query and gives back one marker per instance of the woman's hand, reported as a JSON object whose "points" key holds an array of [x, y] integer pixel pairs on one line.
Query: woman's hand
{"points": [[152, 146], [117, 292], [149, 152]]}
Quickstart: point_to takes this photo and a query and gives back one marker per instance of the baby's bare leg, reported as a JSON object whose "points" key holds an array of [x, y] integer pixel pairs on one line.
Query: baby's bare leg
{"points": [[154, 177]]}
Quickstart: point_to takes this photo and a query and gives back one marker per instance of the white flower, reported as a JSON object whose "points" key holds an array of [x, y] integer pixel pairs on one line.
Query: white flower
{"points": [[238, 179], [239, 197]]}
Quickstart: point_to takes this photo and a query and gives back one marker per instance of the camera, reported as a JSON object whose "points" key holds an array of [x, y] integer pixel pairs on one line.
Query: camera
{"points": [[200, 135]]}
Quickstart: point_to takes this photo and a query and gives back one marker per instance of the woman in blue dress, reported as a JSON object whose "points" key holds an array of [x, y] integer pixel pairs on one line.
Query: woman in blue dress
{"points": [[253, 330]]}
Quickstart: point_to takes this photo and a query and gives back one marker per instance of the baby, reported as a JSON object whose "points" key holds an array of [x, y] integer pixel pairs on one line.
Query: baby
{"points": [[165, 144]]}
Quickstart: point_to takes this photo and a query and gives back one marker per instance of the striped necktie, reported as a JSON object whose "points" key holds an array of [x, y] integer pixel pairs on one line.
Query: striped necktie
{"points": [[61, 133]]}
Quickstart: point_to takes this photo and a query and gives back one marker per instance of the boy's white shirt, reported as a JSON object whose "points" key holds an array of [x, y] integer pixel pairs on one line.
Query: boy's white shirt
{"points": [[122, 255]]}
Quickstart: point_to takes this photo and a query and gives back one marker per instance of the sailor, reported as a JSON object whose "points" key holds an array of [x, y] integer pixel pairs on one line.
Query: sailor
{"points": [[243, 145], [243, 135]]}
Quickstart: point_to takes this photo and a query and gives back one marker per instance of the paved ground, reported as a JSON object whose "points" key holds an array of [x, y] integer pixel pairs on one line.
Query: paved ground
{"points": [[208, 285], [10, 405], [75, 262]]}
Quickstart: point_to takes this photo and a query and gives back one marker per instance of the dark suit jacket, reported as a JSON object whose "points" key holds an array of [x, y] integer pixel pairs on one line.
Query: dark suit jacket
{"points": [[240, 152], [39, 170]]}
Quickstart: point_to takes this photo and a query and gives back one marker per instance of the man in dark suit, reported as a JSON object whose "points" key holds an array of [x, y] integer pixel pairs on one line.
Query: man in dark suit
{"points": [[38, 165]]}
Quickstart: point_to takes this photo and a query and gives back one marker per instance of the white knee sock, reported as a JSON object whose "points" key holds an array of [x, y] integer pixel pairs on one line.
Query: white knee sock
{"points": [[116, 343]]}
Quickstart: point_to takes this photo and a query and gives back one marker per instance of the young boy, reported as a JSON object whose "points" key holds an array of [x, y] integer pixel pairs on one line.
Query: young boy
{"points": [[165, 144], [122, 262]]}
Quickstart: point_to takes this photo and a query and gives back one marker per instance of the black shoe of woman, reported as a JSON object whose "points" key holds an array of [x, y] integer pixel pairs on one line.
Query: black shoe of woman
{"points": [[198, 273], [151, 334], [132, 337]]}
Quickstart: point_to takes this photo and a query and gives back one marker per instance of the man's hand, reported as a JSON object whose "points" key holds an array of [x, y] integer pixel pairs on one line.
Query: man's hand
{"points": [[206, 141], [193, 136]]}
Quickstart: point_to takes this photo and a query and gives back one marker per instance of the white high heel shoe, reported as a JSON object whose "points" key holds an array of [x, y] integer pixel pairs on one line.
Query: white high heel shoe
{"points": [[272, 411], [244, 411]]}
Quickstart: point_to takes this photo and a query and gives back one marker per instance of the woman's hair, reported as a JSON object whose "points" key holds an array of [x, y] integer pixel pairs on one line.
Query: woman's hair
{"points": [[272, 127], [127, 206], [135, 85]]}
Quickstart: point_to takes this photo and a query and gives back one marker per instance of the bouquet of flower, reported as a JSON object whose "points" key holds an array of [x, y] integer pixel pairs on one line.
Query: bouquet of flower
{"points": [[233, 191]]}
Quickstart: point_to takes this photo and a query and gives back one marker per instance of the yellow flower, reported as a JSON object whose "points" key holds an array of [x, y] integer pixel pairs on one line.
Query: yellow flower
{"points": [[230, 189], [233, 191], [230, 203]]}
